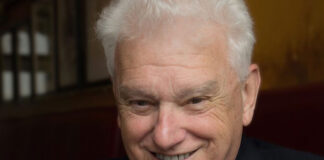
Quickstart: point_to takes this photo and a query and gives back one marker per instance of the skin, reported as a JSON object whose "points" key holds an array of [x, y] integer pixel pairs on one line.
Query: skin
{"points": [[181, 95]]}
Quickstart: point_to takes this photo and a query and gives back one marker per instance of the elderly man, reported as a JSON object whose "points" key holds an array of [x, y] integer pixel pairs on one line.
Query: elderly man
{"points": [[183, 79]]}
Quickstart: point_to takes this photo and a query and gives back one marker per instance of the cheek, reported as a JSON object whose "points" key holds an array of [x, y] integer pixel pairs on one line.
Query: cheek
{"points": [[211, 125], [219, 123], [135, 127]]}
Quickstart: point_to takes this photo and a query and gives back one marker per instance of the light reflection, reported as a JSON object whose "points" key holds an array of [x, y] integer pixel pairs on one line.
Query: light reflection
{"points": [[23, 43], [6, 43], [41, 44], [7, 85], [41, 85], [25, 84]]}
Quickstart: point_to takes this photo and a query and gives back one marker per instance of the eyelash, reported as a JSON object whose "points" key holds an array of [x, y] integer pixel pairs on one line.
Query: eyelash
{"points": [[145, 103], [139, 103], [199, 99]]}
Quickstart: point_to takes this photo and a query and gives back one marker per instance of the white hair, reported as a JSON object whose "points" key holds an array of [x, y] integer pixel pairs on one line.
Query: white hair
{"points": [[130, 18]]}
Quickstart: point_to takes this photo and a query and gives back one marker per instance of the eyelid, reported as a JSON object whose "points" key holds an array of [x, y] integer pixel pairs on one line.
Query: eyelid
{"points": [[203, 98], [135, 100], [134, 107], [200, 97], [149, 102]]}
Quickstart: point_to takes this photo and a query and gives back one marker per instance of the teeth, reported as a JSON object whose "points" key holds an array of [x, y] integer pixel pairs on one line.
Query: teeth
{"points": [[181, 157], [177, 157]]}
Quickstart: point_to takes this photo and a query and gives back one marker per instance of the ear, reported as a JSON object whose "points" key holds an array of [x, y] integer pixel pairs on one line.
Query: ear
{"points": [[118, 120], [116, 95], [250, 92]]}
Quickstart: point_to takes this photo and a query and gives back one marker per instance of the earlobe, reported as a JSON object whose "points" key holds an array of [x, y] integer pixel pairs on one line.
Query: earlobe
{"points": [[249, 93]]}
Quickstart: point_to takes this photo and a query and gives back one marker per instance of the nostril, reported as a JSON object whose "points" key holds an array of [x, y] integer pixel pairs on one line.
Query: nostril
{"points": [[167, 139]]}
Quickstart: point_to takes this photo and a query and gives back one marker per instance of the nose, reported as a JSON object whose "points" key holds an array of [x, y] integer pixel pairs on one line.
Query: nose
{"points": [[168, 131]]}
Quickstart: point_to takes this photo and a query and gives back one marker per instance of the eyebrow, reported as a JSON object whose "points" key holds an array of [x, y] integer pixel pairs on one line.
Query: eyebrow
{"points": [[128, 92], [208, 87], [203, 89]]}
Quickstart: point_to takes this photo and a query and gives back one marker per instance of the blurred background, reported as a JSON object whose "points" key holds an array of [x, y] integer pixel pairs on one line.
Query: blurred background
{"points": [[55, 95]]}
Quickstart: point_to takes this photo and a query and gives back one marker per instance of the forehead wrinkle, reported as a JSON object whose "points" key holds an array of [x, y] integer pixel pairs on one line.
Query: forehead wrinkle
{"points": [[177, 65]]}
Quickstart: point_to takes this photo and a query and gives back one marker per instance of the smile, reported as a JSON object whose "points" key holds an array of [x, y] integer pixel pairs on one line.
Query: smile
{"points": [[175, 157]]}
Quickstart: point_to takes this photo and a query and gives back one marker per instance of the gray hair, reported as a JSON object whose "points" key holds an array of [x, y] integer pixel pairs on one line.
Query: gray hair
{"points": [[130, 18]]}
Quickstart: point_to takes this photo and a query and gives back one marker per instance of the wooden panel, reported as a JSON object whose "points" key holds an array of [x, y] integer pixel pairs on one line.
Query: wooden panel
{"points": [[1, 70], [96, 61], [83, 135], [292, 118], [290, 38], [75, 125]]}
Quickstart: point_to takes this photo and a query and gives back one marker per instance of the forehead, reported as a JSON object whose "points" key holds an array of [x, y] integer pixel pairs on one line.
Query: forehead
{"points": [[179, 57], [174, 44]]}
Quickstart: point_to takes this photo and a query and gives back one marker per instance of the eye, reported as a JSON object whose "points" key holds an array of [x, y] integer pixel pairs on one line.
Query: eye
{"points": [[141, 106], [196, 100], [139, 103]]}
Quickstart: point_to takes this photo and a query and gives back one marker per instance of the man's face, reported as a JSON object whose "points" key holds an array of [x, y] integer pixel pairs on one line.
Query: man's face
{"points": [[178, 96]]}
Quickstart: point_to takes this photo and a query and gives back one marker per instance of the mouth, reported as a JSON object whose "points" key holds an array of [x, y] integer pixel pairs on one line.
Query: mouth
{"points": [[174, 157]]}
